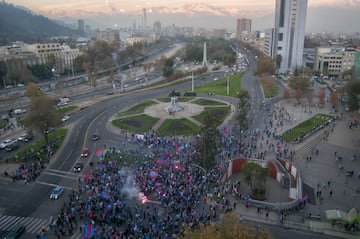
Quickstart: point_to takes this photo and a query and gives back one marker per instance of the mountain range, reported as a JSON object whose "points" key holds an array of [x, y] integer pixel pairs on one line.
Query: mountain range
{"points": [[20, 24], [319, 19]]}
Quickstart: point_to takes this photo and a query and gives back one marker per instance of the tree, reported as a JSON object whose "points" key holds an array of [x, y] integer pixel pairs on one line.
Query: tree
{"points": [[3, 72], [334, 99], [286, 94], [353, 96], [244, 109], [322, 94], [278, 61], [230, 227], [208, 144], [310, 96], [298, 95], [42, 115], [265, 65], [32, 91], [255, 176], [299, 82], [168, 67]]}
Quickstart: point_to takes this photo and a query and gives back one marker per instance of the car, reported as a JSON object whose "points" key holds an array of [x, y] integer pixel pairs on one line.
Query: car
{"points": [[5, 143], [85, 152], [19, 111], [14, 232], [56, 192], [95, 136], [174, 93], [65, 118], [111, 92], [12, 146], [78, 167], [190, 94]]}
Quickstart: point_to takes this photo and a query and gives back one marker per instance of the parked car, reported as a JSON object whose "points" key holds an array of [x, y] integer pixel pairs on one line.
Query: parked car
{"points": [[78, 167], [12, 146], [85, 152], [19, 111], [14, 232], [190, 94], [174, 93], [56, 192], [65, 118], [5, 143], [95, 136]]}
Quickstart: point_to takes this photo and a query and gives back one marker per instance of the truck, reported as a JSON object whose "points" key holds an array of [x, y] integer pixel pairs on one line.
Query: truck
{"points": [[174, 93]]}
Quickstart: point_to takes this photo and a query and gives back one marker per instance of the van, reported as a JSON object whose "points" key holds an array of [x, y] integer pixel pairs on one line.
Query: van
{"points": [[19, 111]]}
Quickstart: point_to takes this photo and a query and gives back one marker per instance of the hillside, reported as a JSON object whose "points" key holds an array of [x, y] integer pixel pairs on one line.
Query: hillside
{"points": [[17, 24]]}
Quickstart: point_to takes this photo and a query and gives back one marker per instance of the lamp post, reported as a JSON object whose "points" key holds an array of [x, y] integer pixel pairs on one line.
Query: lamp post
{"points": [[227, 83], [192, 80]]}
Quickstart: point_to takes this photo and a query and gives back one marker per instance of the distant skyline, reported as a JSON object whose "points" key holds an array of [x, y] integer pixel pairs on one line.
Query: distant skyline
{"points": [[323, 15]]}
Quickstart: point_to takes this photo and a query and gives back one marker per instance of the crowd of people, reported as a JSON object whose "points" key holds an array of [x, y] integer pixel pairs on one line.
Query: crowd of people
{"points": [[157, 198]]}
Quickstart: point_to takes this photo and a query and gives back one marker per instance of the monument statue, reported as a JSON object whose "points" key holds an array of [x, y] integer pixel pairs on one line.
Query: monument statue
{"points": [[174, 106]]}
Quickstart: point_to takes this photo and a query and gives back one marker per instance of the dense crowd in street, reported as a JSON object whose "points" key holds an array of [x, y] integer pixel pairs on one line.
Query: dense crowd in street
{"points": [[156, 199]]}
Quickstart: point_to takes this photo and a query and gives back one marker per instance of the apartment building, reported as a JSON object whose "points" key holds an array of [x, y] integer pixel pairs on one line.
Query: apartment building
{"points": [[334, 61]]}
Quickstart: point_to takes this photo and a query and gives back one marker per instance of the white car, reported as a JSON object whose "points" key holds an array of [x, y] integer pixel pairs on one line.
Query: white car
{"points": [[56, 192], [65, 118], [6, 143]]}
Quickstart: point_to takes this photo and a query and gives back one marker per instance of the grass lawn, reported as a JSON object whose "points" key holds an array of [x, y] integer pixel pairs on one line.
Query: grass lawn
{"points": [[39, 144], [269, 86], [137, 124], [178, 127], [217, 113], [305, 127], [219, 87], [139, 108], [67, 109], [205, 102]]}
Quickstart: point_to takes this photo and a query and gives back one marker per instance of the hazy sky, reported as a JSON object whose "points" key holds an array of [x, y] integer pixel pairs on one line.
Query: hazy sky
{"points": [[323, 15], [126, 6]]}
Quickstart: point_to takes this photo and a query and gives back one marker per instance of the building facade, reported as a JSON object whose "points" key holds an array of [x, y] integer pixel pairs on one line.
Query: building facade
{"points": [[108, 35], [243, 26], [357, 66], [268, 48], [332, 62], [81, 25], [290, 19]]}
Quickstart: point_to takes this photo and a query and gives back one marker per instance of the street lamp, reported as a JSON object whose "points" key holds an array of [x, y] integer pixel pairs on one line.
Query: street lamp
{"points": [[192, 80], [227, 83]]}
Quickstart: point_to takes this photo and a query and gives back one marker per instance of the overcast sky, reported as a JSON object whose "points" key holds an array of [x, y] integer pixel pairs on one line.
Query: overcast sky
{"points": [[323, 15]]}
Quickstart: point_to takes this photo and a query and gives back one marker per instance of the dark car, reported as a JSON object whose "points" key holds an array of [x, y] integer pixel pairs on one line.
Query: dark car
{"points": [[14, 232], [78, 167], [85, 152], [95, 136], [174, 93], [190, 94]]}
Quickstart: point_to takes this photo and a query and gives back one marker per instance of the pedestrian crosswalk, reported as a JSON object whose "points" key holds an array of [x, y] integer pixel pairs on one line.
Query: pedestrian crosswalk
{"points": [[32, 225]]}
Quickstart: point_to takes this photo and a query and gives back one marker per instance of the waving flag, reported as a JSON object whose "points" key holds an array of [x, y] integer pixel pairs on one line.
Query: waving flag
{"points": [[154, 174], [89, 231]]}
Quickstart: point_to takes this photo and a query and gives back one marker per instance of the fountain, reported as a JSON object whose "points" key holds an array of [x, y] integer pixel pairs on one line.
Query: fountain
{"points": [[174, 106]]}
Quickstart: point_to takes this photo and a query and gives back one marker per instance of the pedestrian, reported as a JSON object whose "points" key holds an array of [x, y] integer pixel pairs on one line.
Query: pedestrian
{"points": [[331, 193], [267, 214]]}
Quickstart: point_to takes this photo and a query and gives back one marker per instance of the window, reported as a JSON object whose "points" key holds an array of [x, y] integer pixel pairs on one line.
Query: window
{"points": [[280, 37]]}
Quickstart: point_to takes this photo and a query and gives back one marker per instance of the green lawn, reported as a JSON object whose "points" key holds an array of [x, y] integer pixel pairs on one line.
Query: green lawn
{"points": [[305, 127], [38, 146], [219, 87], [269, 86], [178, 127], [67, 109], [139, 108], [137, 124], [205, 102], [217, 113]]}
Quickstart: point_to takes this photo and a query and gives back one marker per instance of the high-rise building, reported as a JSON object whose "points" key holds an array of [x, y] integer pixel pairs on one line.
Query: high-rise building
{"points": [[144, 19], [357, 66], [81, 25], [243, 26], [290, 19], [269, 42]]}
